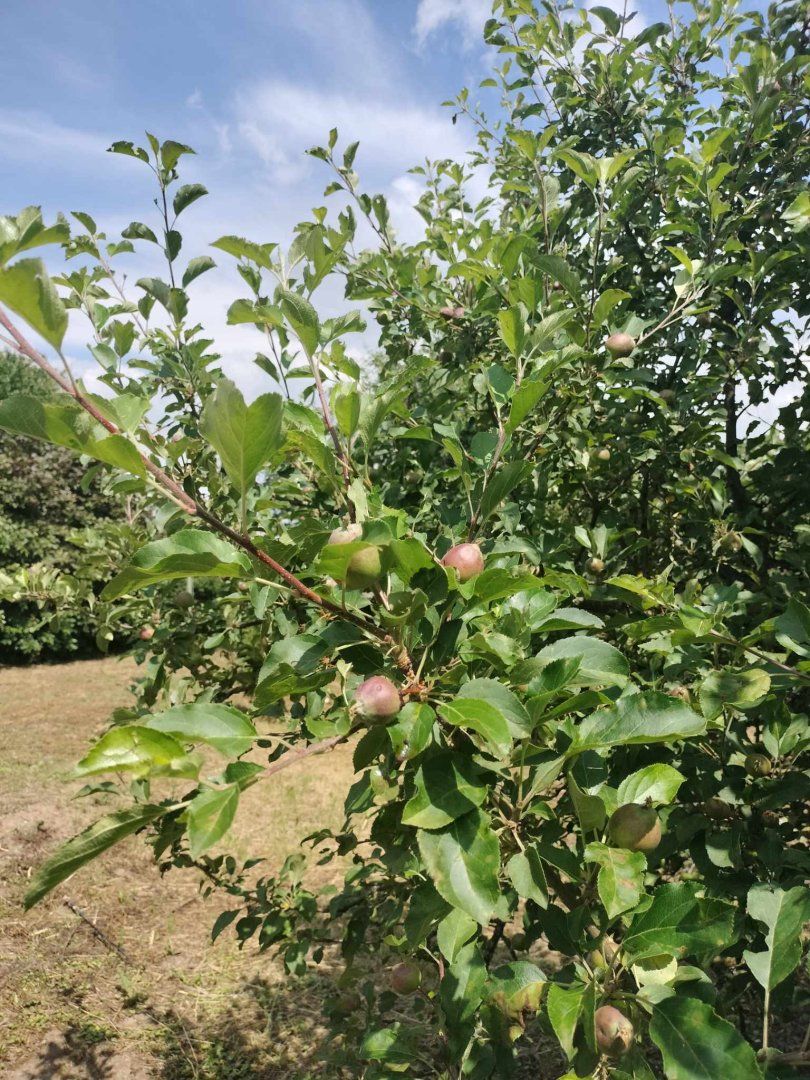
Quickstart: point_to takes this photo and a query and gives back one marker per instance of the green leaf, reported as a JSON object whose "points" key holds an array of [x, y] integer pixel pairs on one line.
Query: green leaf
{"points": [[210, 815], [221, 726], [88, 844], [797, 214], [517, 987], [447, 786], [784, 913], [302, 317], [171, 152], [482, 718], [247, 249], [697, 1044], [410, 556], [507, 704], [739, 689], [637, 720], [137, 750], [563, 1004], [600, 663], [463, 861], [621, 877], [196, 267], [392, 1045], [453, 933], [243, 435], [26, 288], [659, 783], [681, 923], [525, 398], [605, 304], [462, 988], [186, 195], [792, 628], [512, 328], [188, 553], [526, 873], [501, 483]]}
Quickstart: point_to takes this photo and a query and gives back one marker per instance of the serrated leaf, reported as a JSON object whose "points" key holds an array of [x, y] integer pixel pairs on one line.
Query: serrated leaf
{"points": [[463, 861], [87, 845], [563, 1004], [188, 553], [525, 870], [195, 267], [658, 783], [447, 786], [643, 718], [243, 435], [210, 815], [784, 913], [739, 689], [453, 933], [502, 698], [137, 750], [221, 726], [302, 317], [482, 718], [697, 1044], [26, 288], [679, 922], [621, 877]]}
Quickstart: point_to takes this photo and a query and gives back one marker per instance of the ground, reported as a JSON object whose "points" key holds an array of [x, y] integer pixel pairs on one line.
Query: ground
{"points": [[176, 1008]]}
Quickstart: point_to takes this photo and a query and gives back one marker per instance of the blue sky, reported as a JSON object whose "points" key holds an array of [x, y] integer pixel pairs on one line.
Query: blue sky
{"points": [[250, 85]]}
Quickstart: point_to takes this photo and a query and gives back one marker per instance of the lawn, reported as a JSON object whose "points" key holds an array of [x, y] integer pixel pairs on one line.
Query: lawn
{"points": [[172, 1006]]}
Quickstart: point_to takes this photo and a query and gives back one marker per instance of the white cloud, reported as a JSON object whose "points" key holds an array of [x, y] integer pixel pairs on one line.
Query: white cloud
{"points": [[279, 120], [29, 136], [467, 15]]}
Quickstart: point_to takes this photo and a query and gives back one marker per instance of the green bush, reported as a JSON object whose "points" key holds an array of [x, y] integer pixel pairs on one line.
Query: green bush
{"points": [[45, 501]]}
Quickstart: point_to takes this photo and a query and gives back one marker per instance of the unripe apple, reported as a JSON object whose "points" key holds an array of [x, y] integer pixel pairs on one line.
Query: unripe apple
{"points": [[347, 1003], [635, 827], [679, 692], [466, 559], [602, 957], [377, 699], [668, 395], [614, 1032], [595, 565], [731, 542], [620, 344], [364, 567], [758, 765], [406, 978], [603, 454], [146, 633], [183, 598], [242, 586], [518, 941], [717, 809]]}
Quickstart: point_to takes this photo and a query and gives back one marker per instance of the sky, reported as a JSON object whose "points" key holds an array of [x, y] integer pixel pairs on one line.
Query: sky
{"points": [[250, 85]]}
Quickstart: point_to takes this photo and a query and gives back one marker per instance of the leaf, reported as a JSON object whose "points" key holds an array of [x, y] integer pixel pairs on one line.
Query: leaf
{"points": [[697, 1044], [784, 913], [563, 1004], [621, 877], [643, 718], [210, 815], [87, 845], [26, 288], [246, 249], [302, 317], [525, 398], [792, 628], [138, 750], [797, 214], [501, 483], [453, 933], [681, 923], [482, 718], [447, 786], [463, 861], [526, 873], [605, 304], [188, 553], [502, 698], [393, 1045], [601, 664], [517, 987], [462, 988], [659, 783], [512, 327], [221, 726], [186, 195], [243, 435], [739, 689], [196, 267]]}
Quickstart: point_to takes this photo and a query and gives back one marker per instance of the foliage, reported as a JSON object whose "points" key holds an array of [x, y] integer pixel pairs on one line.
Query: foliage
{"points": [[45, 504], [639, 629]]}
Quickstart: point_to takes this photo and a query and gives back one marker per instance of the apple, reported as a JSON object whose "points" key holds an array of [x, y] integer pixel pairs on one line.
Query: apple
{"points": [[184, 598], [595, 565], [466, 559], [668, 395], [406, 978], [364, 567], [679, 692], [614, 1032], [758, 765], [620, 344], [717, 809], [635, 827], [146, 633], [377, 699], [603, 454]]}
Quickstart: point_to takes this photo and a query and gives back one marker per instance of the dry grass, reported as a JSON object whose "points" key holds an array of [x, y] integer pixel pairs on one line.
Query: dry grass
{"points": [[181, 1010]]}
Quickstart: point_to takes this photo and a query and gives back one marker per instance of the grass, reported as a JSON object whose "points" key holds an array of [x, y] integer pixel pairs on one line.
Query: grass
{"points": [[181, 1009]]}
